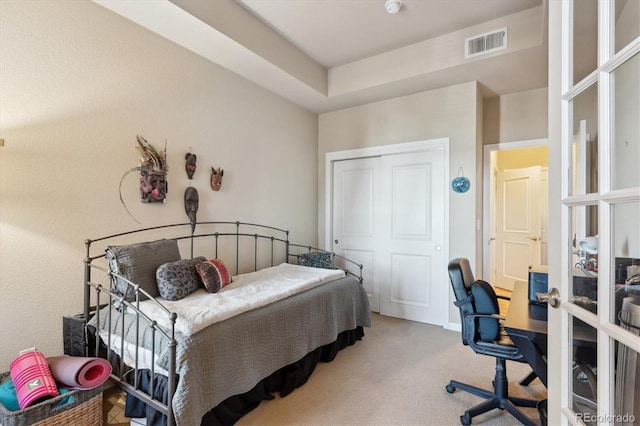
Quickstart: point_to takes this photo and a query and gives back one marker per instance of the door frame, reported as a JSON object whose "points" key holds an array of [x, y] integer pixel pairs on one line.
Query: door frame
{"points": [[488, 194], [374, 151]]}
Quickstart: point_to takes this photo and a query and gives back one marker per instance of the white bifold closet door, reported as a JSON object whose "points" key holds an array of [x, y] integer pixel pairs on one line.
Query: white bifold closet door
{"points": [[388, 214]]}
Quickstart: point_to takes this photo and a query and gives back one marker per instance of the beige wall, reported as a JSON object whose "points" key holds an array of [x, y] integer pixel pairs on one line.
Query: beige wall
{"points": [[450, 112], [522, 158], [457, 112], [515, 117], [77, 84]]}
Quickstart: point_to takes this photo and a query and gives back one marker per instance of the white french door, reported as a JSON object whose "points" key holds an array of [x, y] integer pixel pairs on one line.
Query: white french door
{"points": [[594, 335], [388, 212]]}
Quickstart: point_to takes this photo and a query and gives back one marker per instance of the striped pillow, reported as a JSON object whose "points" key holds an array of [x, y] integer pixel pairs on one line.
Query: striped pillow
{"points": [[214, 274]]}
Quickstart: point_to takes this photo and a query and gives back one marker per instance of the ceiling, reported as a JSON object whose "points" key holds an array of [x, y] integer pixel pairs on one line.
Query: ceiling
{"points": [[337, 32], [332, 54]]}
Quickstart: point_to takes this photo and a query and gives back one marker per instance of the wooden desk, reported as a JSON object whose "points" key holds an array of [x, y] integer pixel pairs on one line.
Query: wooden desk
{"points": [[526, 325]]}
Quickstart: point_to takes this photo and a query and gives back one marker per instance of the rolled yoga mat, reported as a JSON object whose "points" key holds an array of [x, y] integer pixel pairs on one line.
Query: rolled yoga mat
{"points": [[79, 372], [32, 378]]}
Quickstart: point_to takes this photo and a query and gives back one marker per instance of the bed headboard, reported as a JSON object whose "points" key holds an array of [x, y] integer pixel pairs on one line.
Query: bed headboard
{"points": [[242, 246]]}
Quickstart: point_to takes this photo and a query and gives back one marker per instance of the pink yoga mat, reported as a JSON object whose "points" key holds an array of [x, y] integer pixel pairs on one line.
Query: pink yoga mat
{"points": [[79, 372]]}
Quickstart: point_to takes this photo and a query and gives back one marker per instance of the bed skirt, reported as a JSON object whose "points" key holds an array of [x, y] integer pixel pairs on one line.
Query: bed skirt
{"points": [[228, 412]]}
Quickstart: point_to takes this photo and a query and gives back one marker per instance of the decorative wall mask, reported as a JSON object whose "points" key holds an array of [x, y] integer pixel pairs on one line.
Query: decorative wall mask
{"points": [[153, 187], [216, 178], [190, 165], [191, 199], [153, 172]]}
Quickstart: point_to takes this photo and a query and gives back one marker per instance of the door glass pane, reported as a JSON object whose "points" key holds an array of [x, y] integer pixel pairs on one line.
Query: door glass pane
{"points": [[626, 254], [583, 382], [585, 38], [584, 257], [627, 375], [627, 25], [626, 129], [584, 144]]}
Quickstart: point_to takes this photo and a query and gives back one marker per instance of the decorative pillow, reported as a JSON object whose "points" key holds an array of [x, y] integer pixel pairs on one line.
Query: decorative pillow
{"points": [[139, 262], [316, 259], [176, 280], [486, 302], [214, 274]]}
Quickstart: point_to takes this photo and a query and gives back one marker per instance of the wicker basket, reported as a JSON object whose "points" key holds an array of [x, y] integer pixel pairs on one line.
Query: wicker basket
{"points": [[85, 409]]}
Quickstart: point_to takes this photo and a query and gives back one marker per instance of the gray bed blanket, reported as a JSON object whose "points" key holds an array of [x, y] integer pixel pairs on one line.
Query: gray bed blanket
{"points": [[232, 356]]}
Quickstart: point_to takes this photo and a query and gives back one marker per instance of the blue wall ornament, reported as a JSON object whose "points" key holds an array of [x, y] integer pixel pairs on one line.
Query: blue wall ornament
{"points": [[460, 184]]}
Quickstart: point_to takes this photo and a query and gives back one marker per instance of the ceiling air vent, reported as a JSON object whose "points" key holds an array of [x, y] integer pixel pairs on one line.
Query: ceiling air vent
{"points": [[485, 43]]}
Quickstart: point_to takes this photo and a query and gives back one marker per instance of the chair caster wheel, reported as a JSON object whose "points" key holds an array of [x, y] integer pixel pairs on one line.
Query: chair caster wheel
{"points": [[450, 389], [465, 419]]}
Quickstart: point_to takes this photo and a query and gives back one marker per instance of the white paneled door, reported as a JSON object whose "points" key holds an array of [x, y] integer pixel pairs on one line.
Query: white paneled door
{"points": [[389, 214], [519, 221], [355, 214]]}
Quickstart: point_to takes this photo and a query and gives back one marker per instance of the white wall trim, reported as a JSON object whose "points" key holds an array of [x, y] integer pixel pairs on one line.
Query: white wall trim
{"points": [[400, 148], [453, 326]]}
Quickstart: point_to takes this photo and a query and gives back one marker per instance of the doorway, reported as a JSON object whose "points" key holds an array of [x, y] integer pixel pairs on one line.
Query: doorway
{"points": [[387, 209], [515, 210]]}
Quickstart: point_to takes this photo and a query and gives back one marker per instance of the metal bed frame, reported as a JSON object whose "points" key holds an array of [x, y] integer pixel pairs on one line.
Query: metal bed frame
{"points": [[264, 238]]}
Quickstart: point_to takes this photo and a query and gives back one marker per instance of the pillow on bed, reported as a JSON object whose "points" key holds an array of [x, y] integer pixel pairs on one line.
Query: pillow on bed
{"points": [[214, 274], [176, 280], [317, 259], [139, 262]]}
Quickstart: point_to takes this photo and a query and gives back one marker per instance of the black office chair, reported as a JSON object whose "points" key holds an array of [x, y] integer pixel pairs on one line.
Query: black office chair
{"points": [[483, 332]]}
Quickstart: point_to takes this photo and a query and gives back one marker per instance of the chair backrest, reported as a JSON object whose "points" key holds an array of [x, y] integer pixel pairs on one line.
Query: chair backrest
{"points": [[473, 297], [462, 279]]}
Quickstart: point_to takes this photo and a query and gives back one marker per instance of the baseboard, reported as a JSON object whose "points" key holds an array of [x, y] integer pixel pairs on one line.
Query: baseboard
{"points": [[454, 326]]}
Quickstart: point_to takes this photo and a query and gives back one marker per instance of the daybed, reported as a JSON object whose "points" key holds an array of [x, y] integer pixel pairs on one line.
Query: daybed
{"points": [[191, 354]]}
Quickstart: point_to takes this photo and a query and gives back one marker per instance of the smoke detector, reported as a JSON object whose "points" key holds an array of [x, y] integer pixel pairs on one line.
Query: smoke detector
{"points": [[393, 6]]}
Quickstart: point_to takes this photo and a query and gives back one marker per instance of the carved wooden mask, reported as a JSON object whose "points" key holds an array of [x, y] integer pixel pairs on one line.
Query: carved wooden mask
{"points": [[216, 178]]}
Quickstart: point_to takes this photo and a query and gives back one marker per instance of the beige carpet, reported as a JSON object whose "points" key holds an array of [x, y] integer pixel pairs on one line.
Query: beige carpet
{"points": [[396, 376]]}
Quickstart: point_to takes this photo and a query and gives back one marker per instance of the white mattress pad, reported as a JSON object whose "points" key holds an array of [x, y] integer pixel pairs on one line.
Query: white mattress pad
{"points": [[247, 292]]}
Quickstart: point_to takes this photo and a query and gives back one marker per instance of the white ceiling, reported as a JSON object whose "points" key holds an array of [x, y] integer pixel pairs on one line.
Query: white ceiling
{"points": [[336, 32], [331, 54]]}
